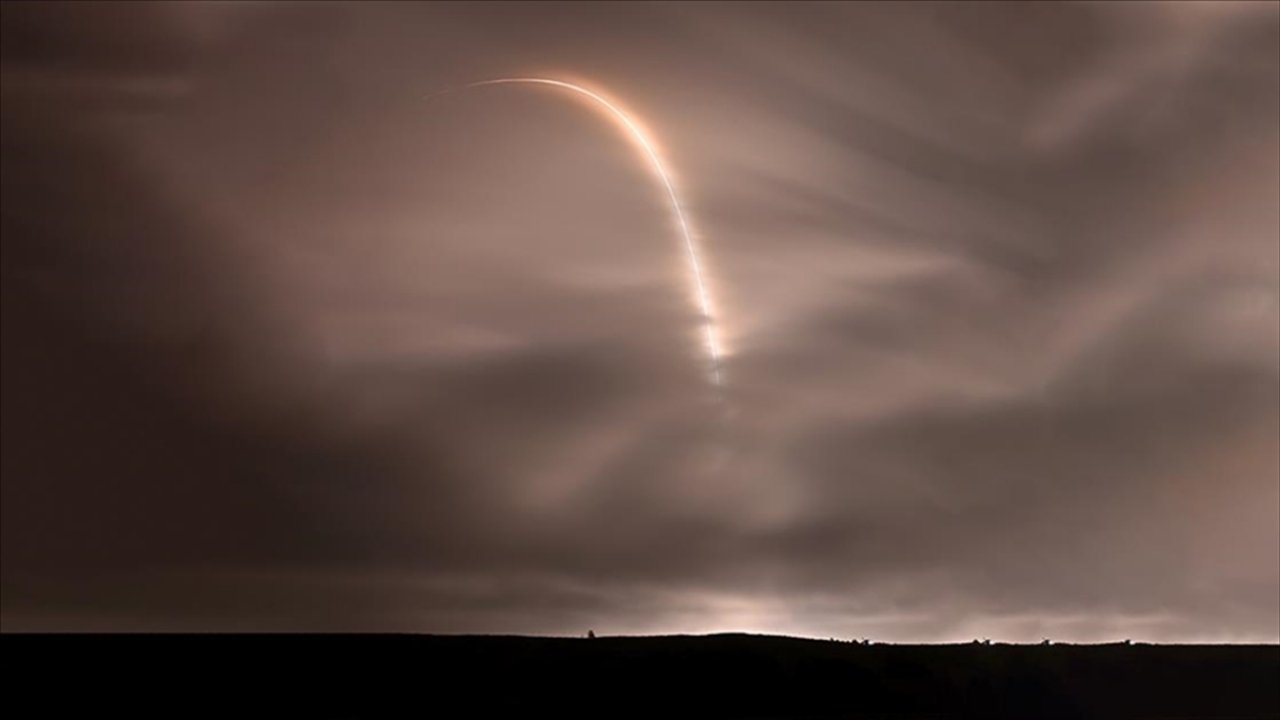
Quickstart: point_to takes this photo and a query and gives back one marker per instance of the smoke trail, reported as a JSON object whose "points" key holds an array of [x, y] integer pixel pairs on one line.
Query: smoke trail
{"points": [[701, 293]]}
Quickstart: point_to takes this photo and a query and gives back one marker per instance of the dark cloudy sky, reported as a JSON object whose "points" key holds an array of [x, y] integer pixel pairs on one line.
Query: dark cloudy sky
{"points": [[287, 346]]}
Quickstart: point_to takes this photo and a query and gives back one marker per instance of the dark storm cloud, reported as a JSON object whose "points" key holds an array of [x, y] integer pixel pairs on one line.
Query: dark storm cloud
{"points": [[289, 346]]}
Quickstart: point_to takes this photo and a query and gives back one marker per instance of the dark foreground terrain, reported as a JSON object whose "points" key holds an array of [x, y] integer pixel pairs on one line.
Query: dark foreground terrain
{"points": [[712, 676]]}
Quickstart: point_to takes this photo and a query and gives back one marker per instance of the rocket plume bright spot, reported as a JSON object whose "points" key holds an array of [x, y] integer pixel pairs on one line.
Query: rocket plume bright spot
{"points": [[700, 291]]}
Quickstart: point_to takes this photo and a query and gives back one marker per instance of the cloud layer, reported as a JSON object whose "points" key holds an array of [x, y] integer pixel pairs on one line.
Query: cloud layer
{"points": [[289, 346]]}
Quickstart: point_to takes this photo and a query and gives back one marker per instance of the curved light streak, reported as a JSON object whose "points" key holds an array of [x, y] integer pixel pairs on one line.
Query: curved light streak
{"points": [[702, 295]]}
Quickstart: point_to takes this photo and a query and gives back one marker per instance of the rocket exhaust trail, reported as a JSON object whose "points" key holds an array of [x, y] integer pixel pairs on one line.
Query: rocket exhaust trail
{"points": [[710, 331]]}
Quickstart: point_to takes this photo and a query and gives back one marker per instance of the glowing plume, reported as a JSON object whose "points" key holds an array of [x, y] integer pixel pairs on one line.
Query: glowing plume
{"points": [[710, 330]]}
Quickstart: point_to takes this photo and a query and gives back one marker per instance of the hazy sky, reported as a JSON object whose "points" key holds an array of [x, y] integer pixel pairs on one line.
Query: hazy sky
{"points": [[289, 346]]}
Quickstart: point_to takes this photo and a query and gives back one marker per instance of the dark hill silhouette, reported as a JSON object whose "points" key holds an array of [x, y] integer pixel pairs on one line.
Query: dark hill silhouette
{"points": [[675, 676]]}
